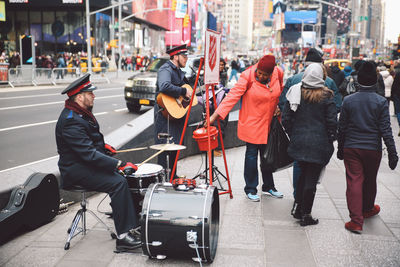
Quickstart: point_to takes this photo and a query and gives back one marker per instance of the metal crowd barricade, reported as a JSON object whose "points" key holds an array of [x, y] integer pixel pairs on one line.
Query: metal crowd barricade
{"points": [[21, 75], [29, 75], [65, 75], [43, 75], [100, 75]]}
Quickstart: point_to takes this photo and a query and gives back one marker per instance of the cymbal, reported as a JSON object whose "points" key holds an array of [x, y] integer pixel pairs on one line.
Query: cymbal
{"points": [[168, 147]]}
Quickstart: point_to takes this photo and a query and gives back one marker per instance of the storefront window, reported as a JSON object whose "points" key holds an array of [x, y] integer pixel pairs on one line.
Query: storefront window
{"points": [[76, 23], [7, 34], [48, 37], [102, 33]]}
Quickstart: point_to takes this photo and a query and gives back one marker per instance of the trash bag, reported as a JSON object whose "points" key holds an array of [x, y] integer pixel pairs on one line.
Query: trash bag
{"points": [[275, 156]]}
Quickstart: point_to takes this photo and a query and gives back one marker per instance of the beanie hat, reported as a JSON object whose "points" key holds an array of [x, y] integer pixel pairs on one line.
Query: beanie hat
{"points": [[314, 55], [313, 77], [367, 75], [347, 71], [266, 64], [358, 64]]}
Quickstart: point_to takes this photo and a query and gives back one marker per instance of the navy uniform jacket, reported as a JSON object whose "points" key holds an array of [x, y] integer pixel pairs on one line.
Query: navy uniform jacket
{"points": [[170, 78], [295, 79], [80, 145]]}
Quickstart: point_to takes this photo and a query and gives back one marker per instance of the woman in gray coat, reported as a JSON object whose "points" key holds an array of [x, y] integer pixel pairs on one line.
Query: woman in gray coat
{"points": [[309, 118]]}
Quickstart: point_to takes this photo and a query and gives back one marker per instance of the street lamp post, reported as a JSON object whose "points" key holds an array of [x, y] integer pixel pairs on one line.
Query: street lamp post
{"points": [[89, 48]]}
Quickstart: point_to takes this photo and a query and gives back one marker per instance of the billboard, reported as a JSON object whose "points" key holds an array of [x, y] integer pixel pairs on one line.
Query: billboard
{"points": [[2, 11]]}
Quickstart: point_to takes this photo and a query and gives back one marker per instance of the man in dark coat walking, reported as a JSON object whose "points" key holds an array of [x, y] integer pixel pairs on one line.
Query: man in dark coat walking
{"points": [[364, 121], [170, 78], [85, 161], [336, 74]]}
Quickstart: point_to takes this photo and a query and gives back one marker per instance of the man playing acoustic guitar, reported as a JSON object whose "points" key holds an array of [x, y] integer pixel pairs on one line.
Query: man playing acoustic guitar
{"points": [[170, 78]]}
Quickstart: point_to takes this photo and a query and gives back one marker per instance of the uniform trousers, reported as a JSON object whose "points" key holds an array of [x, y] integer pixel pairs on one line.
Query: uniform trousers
{"points": [[117, 188], [362, 167]]}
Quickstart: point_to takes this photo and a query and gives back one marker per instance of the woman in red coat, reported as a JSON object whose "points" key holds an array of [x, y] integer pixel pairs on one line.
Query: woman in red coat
{"points": [[259, 87]]}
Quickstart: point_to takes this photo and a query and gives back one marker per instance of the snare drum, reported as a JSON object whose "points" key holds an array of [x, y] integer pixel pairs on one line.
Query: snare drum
{"points": [[146, 175], [180, 223], [139, 181]]}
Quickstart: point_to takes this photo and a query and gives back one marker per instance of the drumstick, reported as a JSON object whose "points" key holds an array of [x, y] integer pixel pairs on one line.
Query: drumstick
{"points": [[151, 157], [132, 149]]}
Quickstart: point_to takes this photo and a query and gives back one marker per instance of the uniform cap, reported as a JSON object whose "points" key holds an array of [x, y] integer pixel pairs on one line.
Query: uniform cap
{"points": [[182, 49], [82, 84]]}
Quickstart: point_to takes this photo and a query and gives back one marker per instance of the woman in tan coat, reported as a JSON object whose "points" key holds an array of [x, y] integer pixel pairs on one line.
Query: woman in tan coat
{"points": [[259, 87]]}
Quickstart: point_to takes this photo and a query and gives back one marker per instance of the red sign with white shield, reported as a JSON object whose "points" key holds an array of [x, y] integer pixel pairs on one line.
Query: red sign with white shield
{"points": [[211, 57]]}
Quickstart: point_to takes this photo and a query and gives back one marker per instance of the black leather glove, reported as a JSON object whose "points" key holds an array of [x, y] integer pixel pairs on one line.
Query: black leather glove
{"points": [[393, 159], [339, 154]]}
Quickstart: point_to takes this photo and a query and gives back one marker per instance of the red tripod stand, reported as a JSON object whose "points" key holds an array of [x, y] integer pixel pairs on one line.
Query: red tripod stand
{"points": [[212, 168]]}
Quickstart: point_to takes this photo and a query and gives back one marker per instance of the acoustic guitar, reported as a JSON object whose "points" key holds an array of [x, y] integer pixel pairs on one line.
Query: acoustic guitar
{"points": [[173, 107]]}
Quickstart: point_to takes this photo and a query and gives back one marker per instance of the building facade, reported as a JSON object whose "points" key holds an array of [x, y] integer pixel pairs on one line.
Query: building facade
{"points": [[239, 15]]}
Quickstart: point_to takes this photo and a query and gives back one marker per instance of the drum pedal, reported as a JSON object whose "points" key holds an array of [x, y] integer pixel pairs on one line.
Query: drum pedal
{"points": [[191, 236]]}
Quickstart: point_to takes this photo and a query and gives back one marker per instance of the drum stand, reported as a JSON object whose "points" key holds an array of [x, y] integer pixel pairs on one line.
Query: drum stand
{"points": [[168, 139], [216, 173], [209, 151]]}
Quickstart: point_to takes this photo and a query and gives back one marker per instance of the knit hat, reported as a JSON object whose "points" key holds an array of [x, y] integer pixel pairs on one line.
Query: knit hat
{"points": [[358, 64], [347, 71], [314, 55], [266, 64], [367, 75], [313, 77]]}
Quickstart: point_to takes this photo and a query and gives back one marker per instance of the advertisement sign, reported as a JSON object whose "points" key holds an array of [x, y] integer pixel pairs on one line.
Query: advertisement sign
{"points": [[2, 11], [181, 9], [212, 56]]}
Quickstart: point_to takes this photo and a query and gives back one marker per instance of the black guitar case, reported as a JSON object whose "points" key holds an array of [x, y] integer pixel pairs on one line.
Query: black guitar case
{"points": [[31, 205]]}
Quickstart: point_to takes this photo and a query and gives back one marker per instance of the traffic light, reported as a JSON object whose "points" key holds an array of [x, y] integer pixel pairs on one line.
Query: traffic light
{"points": [[173, 5], [186, 20], [26, 49], [113, 43]]}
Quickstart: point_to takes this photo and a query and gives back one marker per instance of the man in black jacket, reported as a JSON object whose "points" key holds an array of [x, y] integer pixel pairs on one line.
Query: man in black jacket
{"points": [[85, 161], [364, 121], [336, 74]]}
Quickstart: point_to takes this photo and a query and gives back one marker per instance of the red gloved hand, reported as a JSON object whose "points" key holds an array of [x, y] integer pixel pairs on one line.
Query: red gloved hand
{"points": [[127, 168], [110, 151]]}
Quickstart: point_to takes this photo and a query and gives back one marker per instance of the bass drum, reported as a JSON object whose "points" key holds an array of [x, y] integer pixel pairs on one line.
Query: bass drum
{"points": [[180, 223]]}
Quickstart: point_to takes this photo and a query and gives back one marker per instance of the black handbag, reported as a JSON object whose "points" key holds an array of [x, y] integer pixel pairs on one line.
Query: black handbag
{"points": [[275, 156]]}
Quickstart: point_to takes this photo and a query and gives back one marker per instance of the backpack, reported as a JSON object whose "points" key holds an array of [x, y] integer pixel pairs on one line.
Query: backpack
{"points": [[351, 87]]}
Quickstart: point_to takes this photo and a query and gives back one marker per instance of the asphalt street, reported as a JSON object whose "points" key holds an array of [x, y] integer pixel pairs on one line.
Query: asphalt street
{"points": [[28, 117]]}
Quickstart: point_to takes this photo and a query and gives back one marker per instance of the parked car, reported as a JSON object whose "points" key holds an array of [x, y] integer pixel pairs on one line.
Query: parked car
{"points": [[96, 65], [341, 62], [140, 89]]}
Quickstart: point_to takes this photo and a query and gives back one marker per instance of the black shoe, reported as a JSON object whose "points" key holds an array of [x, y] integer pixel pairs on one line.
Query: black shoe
{"points": [[296, 211], [306, 219], [129, 242]]}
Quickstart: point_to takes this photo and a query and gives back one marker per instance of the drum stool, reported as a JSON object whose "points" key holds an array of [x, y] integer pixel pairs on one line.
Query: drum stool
{"points": [[74, 230]]}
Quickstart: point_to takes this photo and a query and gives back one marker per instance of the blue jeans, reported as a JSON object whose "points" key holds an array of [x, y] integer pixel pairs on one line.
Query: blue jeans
{"points": [[396, 102], [296, 175], [251, 171], [233, 73]]}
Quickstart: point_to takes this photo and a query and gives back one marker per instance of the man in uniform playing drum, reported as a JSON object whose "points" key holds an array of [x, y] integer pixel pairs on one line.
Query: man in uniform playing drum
{"points": [[85, 161]]}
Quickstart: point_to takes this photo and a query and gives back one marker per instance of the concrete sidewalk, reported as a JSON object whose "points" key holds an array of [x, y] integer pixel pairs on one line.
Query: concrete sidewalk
{"points": [[250, 233]]}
